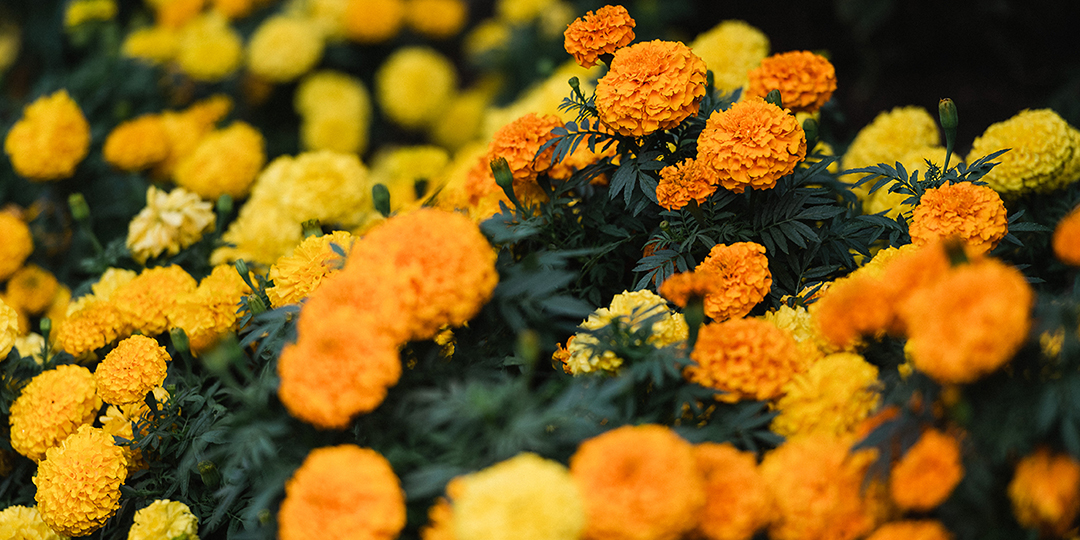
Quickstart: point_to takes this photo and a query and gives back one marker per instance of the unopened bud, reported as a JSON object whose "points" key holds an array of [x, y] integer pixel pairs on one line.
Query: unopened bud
{"points": [[242, 269], [311, 227], [225, 204], [209, 474], [45, 325], [380, 195], [503, 176], [79, 209], [575, 84], [947, 114], [774, 97], [810, 128], [180, 340]]}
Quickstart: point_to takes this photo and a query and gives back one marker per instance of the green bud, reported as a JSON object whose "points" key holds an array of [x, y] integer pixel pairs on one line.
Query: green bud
{"points": [[575, 84], [947, 113], [79, 209], [774, 97], [312, 227], [46, 326], [665, 226], [242, 269], [225, 204], [694, 313], [380, 195], [257, 304], [810, 127], [180, 340], [209, 473], [501, 169]]}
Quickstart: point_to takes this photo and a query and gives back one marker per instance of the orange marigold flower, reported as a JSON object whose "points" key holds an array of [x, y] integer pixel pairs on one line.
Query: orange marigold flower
{"points": [[805, 80], [625, 473], [373, 21], [850, 308], [298, 275], [32, 288], [18, 244], [440, 521], [927, 473], [817, 488], [974, 213], [90, 325], [133, 368], [651, 86], [742, 270], [78, 483], [437, 19], [52, 406], [924, 529], [210, 311], [1045, 492], [684, 182], [137, 144], [518, 142], [225, 162], [50, 139], [737, 502], [594, 35], [342, 492], [834, 395], [745, 358], [1066, 241], [147, 300], [969, 322], [679, 288], [752, 144]]}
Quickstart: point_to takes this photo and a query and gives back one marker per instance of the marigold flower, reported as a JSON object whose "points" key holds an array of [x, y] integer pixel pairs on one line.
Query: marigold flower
{"points": [[651, 86], [1045, 492], [225, 162], [342, 492], [594, 35], [924, 529], [927, 473], [146, 301], [235, 9], [18, 244], [164, 519], [974, 213], [623, 475], [737, 501], [631, 310], [335, 111], [1066, 239], [137, 144], [1044, 152], [730, 50], [262, 232], [298, 275], [209, 50], [518, 143], [210, 311], [817, 488], [834, 395], [891, 203], [78, 483], [133, 368], [283, 48], [745, 358], [440, 524], [805, 80], [154, 44], [373, 21], [90, 325], [414, 85], [680, 287], [52, 406], [25, 523], [80, 12], [436, 19], [969, 322], [169, 223], [9, 328], [743, 272], [50, 139], [488, 504], [332, 187], [32, 288], [890, 135], [850, 308], [752, 144], [684, 182], [176, 13]]}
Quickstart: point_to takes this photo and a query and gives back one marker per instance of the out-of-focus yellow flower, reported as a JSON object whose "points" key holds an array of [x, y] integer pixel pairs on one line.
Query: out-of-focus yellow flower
{"points": [[78, 483], [169, 223], [1045, 492], [25, 523], [176, 13], [436, 19], [331, 187], [225, 162], [730, 50], [521, 11], [235, 9], [315, 259], [9, 328], [164, 519], [415, 85], [630, 309], [373, 21], [890, 136], [487, 37], [833, 396], [262, 232], [209, 312], [209, 49], [18, 244], [1044, 152], [410, 173], [32, 288], [460, 123], [157, 44], [335, 112], [79, 12], [50, 139], [283, 48], [138, 143], [928, 472], [31, 345], [10, 39], [915, 160]]}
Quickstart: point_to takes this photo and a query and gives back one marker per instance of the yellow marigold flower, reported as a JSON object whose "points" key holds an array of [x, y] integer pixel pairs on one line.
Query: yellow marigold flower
{"points": [[283, 48], [164, 519], [133, 368], [817, 488], [137, 144], [594, 35], [260, 234], [110, 280], [52, 406], [1045, 492], [969, 322], [209, 49], [743, 271], [414, 86], [78, 483], [235, 9], [332, 187], [518, 143], [730, 50], [834, 395], [796, 320], [50, 139], [752, 144], [737, 501], [210, 311], [32, 288], [744, 358], [631, 309], [331, 92], [169, 223], [625, 473], [684, 182], [927, 473], [155, 44], [436, 19], [460, 123], [18, 244], [146, 301], [25, 523], [651, 86], [225, 162], [176, 13], [925, 529], [487, 37], [488, 504], [298, 275], [887, 138], [91, 325], [805, 80], [521, 11], [31, 345], [373, 21], [1044, 152], [410, 173], [79, 12], [9, 328], [342, 492], [1066, 239], [975, 214]]}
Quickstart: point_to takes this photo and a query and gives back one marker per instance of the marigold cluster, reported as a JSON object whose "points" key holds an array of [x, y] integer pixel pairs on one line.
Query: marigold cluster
{"points": [[730, 50], [53, 405], [743, 276], [50, 139], [651, 86], [1045, 492], [164, 519], [834, 395], [169, 223], [975, 214], [684, 182], [1044, 153], [928, 472], [597, 34], [737, 501], [752, 144], [805, 80], [744, 358], [78, 482]]}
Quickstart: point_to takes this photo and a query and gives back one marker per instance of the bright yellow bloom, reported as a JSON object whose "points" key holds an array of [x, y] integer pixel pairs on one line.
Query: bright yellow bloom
{"points": [[630, 310], [210, 311], [414, 85], [752, 144], [18, 244], [79, 12], [50, 139], [332, 187], [90, 325], [137, 144], [78, 483], [373, 21], [32, 288], [889, 137], [225, 162], [209, 49], [805, 80], [335, 112], [169, 223], [410, 173], [136, 366], [730, 50], [260, 234], [597, 34], [25, 523], [52, 406], [975, 214], [315, 259], [1044, 152], [460, 123], [436, 19], [9, 328], [834, 395], [148, 300], [283, 48], [156, 44], [1045, 492], [164, 519]]}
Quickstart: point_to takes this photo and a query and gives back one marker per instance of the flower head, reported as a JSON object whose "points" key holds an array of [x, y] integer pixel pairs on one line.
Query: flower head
{"points": [[927, 473], [436, 19], [209, 50], [410, 173], [730, 50], [752, 144], [1066, 239], [743, 272], [32, 288], [589, 37], [680, 287], [133, 368], [91, 324], [50, 139], [331, 187], [373, 21], [737, 501], [414, 85], [18, 244], [651, 86], [52, 406], [1044, 152], [974, 213], [225, 162], [164, 519], [684, 182], [335, 111], [147, 300], [342, 492], [625, 472], [631, 310], [283, 48], [834, 395], [210, 311], [169, 223], [518, 143], [298, 275], [805, 80], [1045, 492], [912, 530], [745, 358], [138, 143], [152, 44], [891, 135], [78, 483], [9, 328], [25, 523]]}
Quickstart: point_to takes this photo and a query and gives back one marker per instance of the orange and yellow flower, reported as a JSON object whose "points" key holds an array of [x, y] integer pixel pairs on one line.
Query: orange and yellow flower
{"points": [[1045, 492], [684, 182], [744, 358], [742, 270]]}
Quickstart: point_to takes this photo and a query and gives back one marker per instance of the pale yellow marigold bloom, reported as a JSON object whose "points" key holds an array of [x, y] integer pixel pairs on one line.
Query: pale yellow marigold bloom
{"points": [[164, 519], [335, 112], [209, 49], [169, 223], [31, 345], [9, 328], [156, 44], [78, 483], [913, 160], [1044, 152], [410, 173], [50, 139], [209, 312], [890, 136], [631, 309], [111, 280], [331, 187], [82, 11], [731, 49], [487, 37], [52, 406], [225, 162], [262, 232], [25, 523], [833, 396], [283, 48], [414, 86]]}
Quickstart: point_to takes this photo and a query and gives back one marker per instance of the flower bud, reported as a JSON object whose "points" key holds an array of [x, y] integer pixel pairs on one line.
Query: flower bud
{"points": [[79, 209], [810, 128], [209, 473], [311, 227], [947, 114], [774, 97], [380, 195], [225, 204], [501, 169], [180, 340]]}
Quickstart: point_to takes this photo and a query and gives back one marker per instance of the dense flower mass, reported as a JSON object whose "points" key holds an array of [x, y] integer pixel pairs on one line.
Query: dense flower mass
{"points": [[744, 358], [742, 270], [52, 406], [597, 34], [805, 80], [50, 139], [164, 519], [131, 370], [752, 144], [137, 143], [1045, 492], [975, 214], [78, 483], [684, 182], [650, 86], [169, 223], [147, 301], [737, 501], [927, 473], [912, 530], [284, 48], [1044, 152]]}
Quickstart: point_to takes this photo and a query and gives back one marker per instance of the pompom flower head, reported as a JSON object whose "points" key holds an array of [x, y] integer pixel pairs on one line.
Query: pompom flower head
{"points": [[78, 483], [50, 139], [25, 523], [9, 328], [283, 48], [373, 21], [315, 259], [414, 86], [805, 80], [169, 223], [342, 492], [597, 34], [1066, 239], [133, 368], [927, 473], [164, 519], [742, 270], [730, 50], [225, 162], [53, 405], [147, 301], [651, 86], [834, 395], [684, 182], [518, 143], [436, 19], [1045, 492], [752, 144], [209, 49], [18, 244], [137, 144], [745, 358], [1044, 153], [975, 214], [737, 502]]}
